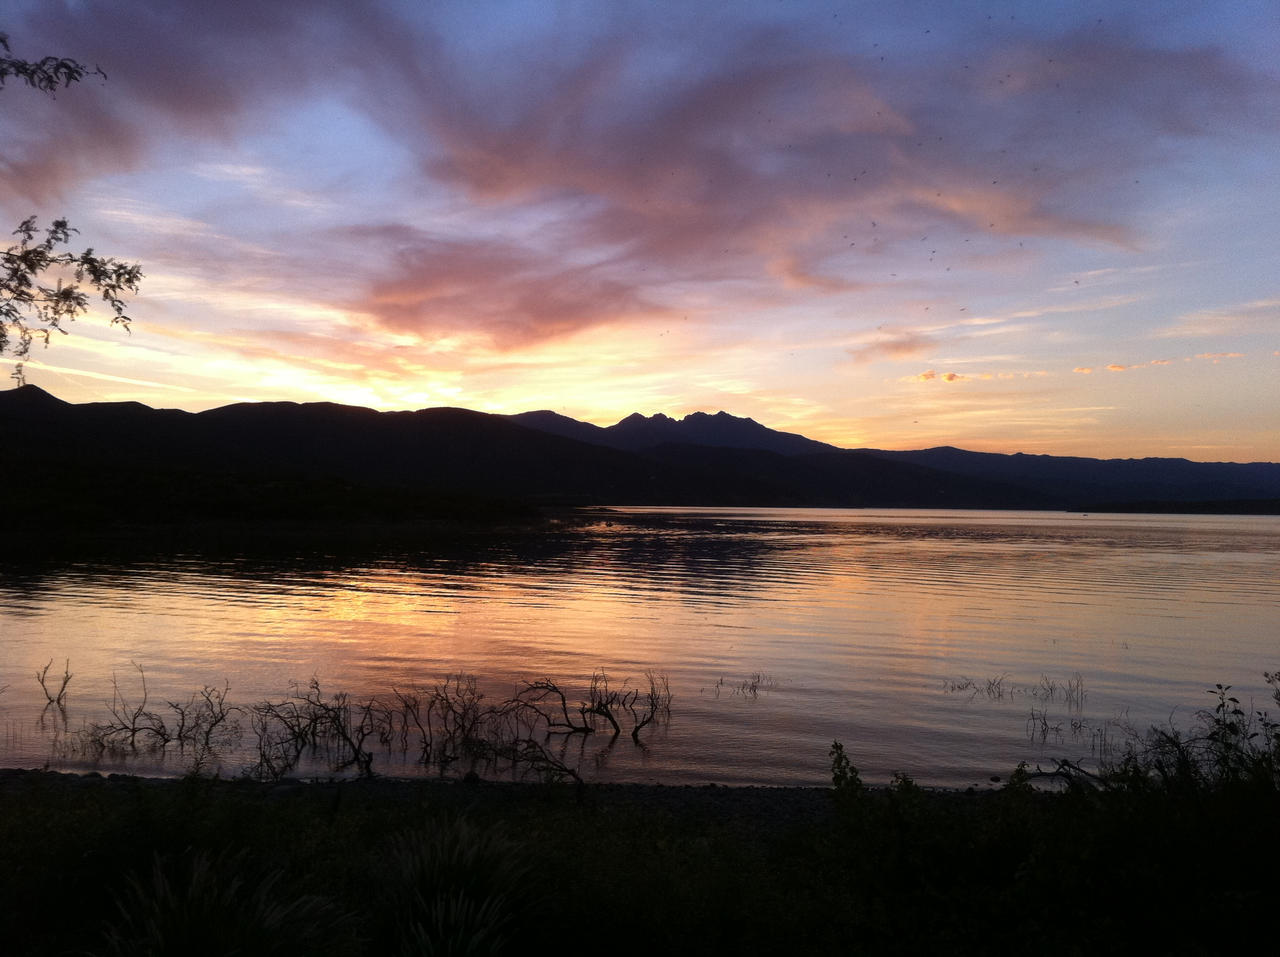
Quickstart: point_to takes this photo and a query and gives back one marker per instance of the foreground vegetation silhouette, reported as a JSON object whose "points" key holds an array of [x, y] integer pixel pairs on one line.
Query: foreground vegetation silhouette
{"points": [[1167, 848], [449, 728]]}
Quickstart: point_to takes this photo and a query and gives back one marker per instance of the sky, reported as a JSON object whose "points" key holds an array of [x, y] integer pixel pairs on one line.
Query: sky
{"points": [[1010, 227]]}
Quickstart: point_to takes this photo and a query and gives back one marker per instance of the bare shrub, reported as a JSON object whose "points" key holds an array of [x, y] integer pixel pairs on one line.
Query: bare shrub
{"points": [[449, 727], [130, 724], [54, 700], [205, 725]]}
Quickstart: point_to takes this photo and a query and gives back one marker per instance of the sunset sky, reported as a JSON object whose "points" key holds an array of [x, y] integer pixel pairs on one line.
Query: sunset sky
{"points": [[1049, 227]]}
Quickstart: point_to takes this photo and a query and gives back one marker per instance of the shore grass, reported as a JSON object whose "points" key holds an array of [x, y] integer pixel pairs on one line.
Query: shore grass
{"points": [[92, 864]]}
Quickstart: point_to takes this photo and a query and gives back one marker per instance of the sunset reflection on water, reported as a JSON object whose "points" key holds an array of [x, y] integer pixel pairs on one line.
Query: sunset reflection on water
{"points": [[853, 622]]}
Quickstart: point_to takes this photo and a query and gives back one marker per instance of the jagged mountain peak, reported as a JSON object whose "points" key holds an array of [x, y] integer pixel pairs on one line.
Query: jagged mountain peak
{"points": [[721, 416], [718, 430], [637, 418]]}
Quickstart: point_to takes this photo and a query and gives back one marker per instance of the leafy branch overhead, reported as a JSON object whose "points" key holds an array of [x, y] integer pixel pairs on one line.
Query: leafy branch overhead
{"points": [[31, 309], [46, 74], [44, 285]]}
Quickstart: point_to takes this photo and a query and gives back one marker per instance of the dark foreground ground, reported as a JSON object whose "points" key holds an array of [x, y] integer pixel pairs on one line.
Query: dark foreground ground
{"points": [[127, 865]]}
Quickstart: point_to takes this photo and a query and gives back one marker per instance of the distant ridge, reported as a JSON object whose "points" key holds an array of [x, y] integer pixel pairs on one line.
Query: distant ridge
{"points": [[553, 423], [124, 461], [1113, 483]]}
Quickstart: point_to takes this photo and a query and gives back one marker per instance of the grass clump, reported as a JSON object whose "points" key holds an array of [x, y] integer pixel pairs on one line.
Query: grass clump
{"points": [[197, 903], [457, 888]]}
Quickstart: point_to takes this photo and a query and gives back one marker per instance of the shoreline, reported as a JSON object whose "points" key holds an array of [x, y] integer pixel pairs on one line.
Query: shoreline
{"points": [[752, 805]]}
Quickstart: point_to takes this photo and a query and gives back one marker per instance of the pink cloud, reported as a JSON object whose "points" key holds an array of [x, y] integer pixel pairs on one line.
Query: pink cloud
{"points": [[905, 346], [505, 291]]}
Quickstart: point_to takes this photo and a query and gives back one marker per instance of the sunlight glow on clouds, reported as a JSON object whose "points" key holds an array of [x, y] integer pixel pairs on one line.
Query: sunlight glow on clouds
{"points": [[650, 207]]}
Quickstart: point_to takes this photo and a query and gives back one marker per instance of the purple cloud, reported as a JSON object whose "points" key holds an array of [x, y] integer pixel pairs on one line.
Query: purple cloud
{"points": [[757, 156]]}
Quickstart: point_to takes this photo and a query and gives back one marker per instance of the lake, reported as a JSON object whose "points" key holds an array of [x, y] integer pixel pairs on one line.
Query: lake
{"points": [[946, 645]]}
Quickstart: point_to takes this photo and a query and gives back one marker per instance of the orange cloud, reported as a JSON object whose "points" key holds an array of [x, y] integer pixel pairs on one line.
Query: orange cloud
{"points": [[932, 374], [1083, 370], [796, 274]]}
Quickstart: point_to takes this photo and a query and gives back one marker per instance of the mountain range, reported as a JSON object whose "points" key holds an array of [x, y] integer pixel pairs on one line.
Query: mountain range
{"points": [[125, 461]]}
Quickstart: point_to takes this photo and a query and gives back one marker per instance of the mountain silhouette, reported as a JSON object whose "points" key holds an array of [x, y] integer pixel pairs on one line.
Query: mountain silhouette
{"points": [[1103, 483], [637, 432], [124, 461]]}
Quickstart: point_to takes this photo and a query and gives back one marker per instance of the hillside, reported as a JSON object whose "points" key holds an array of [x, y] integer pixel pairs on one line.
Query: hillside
{"points": [[124, 461]]}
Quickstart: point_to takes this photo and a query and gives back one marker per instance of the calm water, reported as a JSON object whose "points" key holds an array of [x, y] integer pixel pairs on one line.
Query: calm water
{"points": [[942, 644]]}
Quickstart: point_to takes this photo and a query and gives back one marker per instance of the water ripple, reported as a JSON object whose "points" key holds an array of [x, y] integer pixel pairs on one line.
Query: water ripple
{"points": [[857, 618]]}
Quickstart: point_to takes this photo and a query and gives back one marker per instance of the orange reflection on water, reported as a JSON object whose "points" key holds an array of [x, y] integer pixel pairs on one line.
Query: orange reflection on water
{"points": [[844, 625]]}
